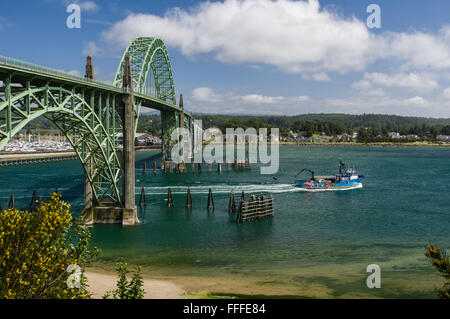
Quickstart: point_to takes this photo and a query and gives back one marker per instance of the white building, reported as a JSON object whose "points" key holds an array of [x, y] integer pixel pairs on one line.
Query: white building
{"points": [[443, 138], [394, 135]]}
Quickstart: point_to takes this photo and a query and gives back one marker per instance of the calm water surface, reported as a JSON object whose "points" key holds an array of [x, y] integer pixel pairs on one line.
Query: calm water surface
{"points": [[317, 245]]}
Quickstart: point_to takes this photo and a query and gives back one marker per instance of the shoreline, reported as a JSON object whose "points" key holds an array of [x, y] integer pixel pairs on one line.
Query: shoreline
{"points": [[100, 281], [381, 144]]}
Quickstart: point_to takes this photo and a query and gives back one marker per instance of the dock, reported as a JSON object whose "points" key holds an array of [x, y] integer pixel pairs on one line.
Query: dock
{"points": [[34, 158]]}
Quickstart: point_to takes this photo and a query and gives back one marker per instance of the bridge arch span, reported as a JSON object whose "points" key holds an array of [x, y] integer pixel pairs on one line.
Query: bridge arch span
{"points": [[76, 115]]}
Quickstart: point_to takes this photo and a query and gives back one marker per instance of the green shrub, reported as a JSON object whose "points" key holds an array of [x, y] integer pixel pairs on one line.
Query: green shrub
{"points": [[127, 289], [441, 262]]}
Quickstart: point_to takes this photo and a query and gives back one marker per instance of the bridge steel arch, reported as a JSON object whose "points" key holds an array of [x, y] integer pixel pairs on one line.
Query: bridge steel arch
{"points": [[150, 66], [78, 113]]}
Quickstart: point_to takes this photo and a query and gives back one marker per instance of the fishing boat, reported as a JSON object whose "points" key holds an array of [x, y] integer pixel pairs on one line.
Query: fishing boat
{"points": [[346, 179]]}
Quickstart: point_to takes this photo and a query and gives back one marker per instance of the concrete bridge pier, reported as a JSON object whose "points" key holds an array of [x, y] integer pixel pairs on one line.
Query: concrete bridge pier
{"points": [[127, 214]]}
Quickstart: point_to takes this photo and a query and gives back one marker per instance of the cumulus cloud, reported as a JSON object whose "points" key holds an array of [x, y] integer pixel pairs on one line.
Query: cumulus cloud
{"points": [[415, 81], [261, 99], [89, 6], [207, 100], [413, 106], [294, 36], [205, 94]]}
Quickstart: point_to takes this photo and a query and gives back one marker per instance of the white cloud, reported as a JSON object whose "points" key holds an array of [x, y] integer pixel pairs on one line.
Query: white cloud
{"points": [[91, 48], [261, 99], [205, 94], [415, 81], [294, 36], [418, 49], [208, 101], [447, 93], [89, 6], [362, 85], [321, 77], [416, 100], [318, 77]]}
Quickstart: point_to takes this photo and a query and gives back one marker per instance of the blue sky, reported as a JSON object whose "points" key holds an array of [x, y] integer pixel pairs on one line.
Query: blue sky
{"points": [[257, 56]]}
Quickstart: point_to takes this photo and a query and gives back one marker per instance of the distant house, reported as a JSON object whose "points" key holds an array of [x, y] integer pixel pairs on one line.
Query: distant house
{"points": [[443, 138], [412, 136], [394, 135]]}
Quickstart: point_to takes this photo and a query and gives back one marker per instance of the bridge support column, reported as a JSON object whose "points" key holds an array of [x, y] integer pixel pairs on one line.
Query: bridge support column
{"points": [[129, 211], [88, 193]]}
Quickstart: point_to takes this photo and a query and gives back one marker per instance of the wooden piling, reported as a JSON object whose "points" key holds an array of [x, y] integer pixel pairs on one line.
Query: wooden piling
{"points": [[33, 202], [145, 167], [210, 200], [154, 167], [209, 167], [142, 200], [188, 198], [232, 204], [11, 203], [169, 198], [219, 168], [199, 167], [257, 207], [240, 209]]}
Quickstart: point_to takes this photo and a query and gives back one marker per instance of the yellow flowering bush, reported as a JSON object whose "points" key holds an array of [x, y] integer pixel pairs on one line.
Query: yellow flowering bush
{"points": [[441, 263], [36, 249]]}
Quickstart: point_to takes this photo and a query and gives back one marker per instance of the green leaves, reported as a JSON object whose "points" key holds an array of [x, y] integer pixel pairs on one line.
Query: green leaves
{"points": [[127, 289], [441, 263]]}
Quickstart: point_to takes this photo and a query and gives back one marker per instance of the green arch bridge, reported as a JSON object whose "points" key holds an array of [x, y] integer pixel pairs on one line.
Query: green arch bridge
{"points": [[92, 114]]}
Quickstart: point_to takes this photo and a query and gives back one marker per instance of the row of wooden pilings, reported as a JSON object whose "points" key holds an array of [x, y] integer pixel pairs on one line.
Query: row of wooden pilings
{"points": [[31, 208], [257, 207], [181, 168]]}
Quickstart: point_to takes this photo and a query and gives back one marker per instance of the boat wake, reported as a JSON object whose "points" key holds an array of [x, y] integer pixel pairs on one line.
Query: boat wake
{"points": [[222, 189]]}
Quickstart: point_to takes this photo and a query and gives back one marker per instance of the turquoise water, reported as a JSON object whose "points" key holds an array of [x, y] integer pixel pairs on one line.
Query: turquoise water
{"points": [[316, 245]]}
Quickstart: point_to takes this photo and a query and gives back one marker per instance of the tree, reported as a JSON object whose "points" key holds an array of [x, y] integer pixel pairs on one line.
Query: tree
{"points": [[127, 289], [36, 249], [441, 263]]}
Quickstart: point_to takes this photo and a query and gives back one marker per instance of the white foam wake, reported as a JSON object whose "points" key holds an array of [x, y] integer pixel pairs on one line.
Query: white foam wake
{"points": [[222, 189]]}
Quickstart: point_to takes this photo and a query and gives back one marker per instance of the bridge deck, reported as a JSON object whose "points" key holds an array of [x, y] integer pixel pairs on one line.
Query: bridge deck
{"points": [[25, 71]]}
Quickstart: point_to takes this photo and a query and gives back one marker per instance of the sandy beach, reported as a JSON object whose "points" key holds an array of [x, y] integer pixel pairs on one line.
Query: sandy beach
{"points": [[101, 282]]}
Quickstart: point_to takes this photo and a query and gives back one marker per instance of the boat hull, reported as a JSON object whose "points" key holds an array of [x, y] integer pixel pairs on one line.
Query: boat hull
{"points": [[318, 187]]}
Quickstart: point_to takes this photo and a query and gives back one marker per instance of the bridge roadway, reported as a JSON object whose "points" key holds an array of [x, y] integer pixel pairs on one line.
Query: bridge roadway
{"points": [[24, 71]]}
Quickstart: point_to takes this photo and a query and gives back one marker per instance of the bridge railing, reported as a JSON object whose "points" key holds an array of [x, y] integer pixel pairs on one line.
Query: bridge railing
{"points": [[44, 70], [49, 71]]}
